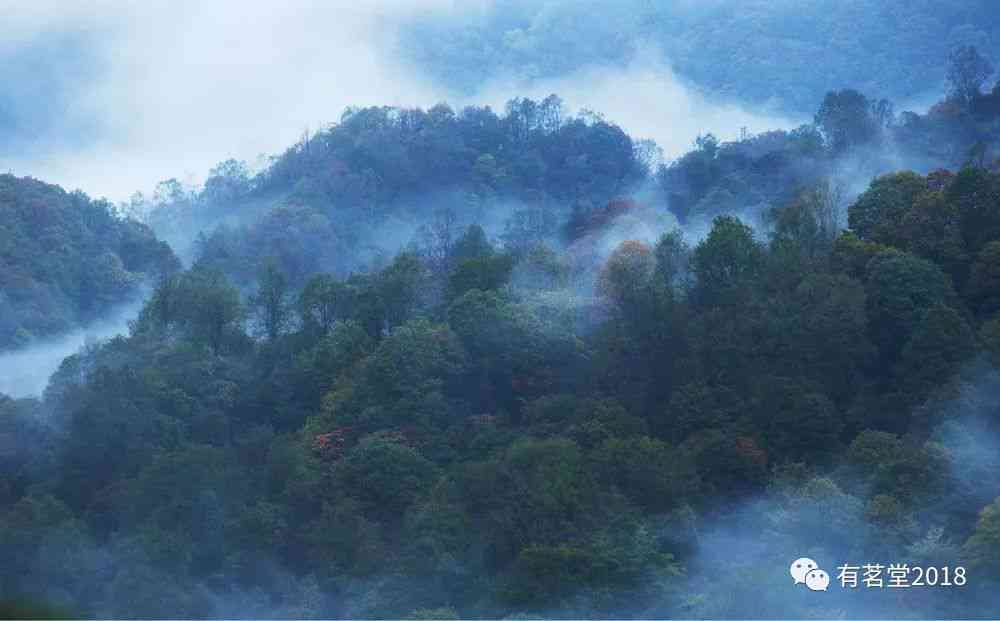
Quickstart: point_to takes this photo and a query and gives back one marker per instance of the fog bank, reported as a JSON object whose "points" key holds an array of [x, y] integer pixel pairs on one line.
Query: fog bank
{"points": [[26, 372]]}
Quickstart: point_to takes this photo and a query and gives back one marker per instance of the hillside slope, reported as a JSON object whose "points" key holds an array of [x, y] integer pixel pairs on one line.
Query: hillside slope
{"points": [[65, 259]]}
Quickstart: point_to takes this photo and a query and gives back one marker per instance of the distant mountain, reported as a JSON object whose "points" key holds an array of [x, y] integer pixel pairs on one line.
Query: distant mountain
{"points": [[781, 53]]}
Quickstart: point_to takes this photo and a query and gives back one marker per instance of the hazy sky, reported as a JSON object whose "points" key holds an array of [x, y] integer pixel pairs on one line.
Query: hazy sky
{"points": [[179, 86], [111, 97]]}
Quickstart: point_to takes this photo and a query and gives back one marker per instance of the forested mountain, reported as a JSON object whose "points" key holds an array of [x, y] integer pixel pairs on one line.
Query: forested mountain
{"points": [[345, 197], [852, 140], [64, 259], [761, 52], [438, 364], [381, 172]]}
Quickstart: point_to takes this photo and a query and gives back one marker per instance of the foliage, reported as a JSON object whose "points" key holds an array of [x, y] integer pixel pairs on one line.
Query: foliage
{"points": [[847, 119], [479, 427], [967, 71], [67, 260], [981, 547], [727, 262]]}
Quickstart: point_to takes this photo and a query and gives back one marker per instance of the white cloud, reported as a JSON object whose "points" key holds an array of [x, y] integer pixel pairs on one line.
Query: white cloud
{"points": [[186, 84], [647, 100]]}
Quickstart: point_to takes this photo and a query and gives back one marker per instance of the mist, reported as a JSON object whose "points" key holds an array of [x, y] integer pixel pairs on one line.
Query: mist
{"points": [[175, 87], [821, 514], [646, 98], [26, 372], [163, 90], [307, 423]]}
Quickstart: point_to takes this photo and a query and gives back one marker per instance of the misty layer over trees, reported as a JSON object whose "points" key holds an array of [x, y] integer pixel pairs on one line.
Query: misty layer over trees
{"points": [[439, 364], [782, 54]]}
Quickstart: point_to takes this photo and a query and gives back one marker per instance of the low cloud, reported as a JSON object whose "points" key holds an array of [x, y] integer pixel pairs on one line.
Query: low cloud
{"points": [[171, 89], [180, 86], [26, 372], [646, 99]]}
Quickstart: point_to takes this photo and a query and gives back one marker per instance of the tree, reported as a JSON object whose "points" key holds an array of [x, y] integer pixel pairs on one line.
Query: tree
{"points": [[400, 289], [617, 567], [600, 420], [851, 254], [870, 448], [696, 407], [882, 113], [728, 464], [796, 423], [877, 215], [334, 358], [25, 526], [673, 263], [819, 500], [901, 288], [199, 303], [887, 465], [967, 71], [323, 301], [509, 353], [975, 193], [540, 268], [472, 244], [170, 192], [488, 272], [846, 120], [983, 547], [210, 306], [403, 382], [812, 221], [983, 288], [941, 342], [437, 239], [528, 228], [385, 476], [707, 144], [626, 277], [270, 304], [538, 491], [932, 229], [228, 181], [817, 331], [989, 336], [649, 472], [727, 262]]}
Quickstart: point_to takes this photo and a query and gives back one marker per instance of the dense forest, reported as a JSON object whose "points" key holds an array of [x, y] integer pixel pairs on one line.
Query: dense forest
{"points": [[64, 259], [440, 364]]}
